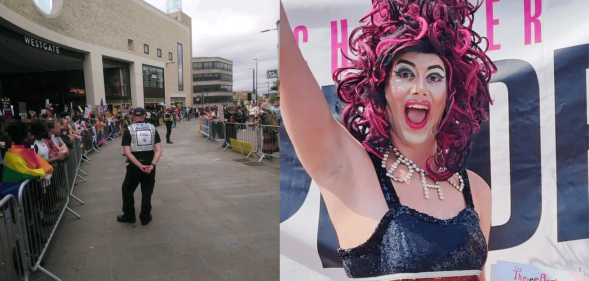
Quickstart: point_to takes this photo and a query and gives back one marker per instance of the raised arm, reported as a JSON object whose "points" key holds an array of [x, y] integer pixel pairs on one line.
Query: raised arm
{"points": [[321, 143]]}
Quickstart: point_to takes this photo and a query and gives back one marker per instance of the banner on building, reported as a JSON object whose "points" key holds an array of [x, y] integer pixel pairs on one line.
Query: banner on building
{"points": [[533, 152]]}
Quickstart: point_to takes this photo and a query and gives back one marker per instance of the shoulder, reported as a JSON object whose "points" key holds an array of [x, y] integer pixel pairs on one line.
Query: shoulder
{"points": [[481, 195], [479, 187]]}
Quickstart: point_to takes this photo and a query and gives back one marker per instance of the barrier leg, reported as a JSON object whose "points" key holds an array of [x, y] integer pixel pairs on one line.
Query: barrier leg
{"points": [[49, 274], [74, 213], [82, 178], [77, 199], [82, 172]]}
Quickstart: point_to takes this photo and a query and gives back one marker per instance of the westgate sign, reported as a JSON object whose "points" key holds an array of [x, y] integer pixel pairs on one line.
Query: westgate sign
{"points": [[41, 45]]}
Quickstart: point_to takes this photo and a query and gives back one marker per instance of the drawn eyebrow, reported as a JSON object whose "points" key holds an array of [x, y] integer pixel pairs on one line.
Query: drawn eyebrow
{"points": [[435, 66], [413, 65], [407, 62]]}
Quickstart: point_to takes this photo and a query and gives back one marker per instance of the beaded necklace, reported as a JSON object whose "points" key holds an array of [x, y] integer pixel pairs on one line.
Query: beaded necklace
{"points": [[412, 167]]}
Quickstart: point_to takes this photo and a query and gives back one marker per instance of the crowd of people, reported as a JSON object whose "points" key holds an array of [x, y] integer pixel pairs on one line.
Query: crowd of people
{"points": [[250, 114]]}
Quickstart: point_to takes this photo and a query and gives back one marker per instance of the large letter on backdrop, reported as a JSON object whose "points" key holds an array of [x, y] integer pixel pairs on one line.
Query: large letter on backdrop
{"points": [[524, 137], [570, 82]]}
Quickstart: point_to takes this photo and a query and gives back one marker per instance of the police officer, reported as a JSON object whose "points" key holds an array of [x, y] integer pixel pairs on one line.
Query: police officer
{"points": [[143, 148], [169, 120]]}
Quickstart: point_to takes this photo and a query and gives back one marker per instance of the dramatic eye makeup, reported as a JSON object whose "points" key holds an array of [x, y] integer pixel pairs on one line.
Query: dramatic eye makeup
{"points": [[435, 76], [404, 70]]}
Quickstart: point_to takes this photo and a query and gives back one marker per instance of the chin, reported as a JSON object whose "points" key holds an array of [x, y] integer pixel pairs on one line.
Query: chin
{"points": [[417, 138]]}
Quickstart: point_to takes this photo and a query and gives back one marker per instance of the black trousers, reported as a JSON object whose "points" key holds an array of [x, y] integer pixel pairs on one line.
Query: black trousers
{"points": [[133, 177], [169, 129]]}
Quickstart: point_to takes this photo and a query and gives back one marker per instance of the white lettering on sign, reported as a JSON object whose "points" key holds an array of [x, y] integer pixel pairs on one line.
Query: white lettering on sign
{"points": [[273, 73], [41, 45], [143, 138]]}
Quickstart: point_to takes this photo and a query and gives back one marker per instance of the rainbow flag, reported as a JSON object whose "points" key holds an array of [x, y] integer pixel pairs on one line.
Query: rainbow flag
{"points": [[22, 163]]}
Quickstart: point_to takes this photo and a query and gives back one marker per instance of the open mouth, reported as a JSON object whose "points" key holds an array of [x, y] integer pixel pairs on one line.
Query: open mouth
{"points": [[416, 114]]}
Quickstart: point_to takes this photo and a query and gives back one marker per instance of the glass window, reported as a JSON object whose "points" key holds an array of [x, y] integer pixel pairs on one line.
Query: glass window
{"points": [[159, 53], [45, 5], [153, 77], [160, 78], [170, 55], [145, 76], [180, 69], [146, 48]]}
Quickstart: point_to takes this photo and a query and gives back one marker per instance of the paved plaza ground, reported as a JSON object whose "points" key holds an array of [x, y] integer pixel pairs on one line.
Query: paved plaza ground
{"points": [[214, 218]]}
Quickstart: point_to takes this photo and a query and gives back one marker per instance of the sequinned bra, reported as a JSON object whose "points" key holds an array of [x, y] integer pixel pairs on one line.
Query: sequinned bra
{"points": [[408, 244]]}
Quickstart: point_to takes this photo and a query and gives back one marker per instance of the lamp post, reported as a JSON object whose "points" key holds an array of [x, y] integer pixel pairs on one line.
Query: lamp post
{"points": [[256, 80], [268, 89], [253, 80]]}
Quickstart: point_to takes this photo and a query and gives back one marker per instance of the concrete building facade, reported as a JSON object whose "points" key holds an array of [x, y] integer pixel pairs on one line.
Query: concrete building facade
{"points": [[212, 81], [85, 51]]}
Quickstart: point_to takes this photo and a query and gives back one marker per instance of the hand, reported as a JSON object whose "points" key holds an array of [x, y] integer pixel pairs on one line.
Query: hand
{"points": [[144, 168], [148, 169], [62, 157]]}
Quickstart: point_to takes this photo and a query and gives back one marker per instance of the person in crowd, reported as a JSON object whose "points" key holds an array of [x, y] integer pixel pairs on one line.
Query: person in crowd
{"points": [[125, 123], [175, 115], [270, 136], [73, 131], [169, 120], [143, 148], [45, 147], [253, 110], [158, 115], [416, 91], [276, 110], [60, 129]]}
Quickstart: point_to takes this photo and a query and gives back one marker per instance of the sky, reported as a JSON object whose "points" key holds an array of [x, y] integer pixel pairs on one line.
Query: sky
{"points": [[231, 29]]}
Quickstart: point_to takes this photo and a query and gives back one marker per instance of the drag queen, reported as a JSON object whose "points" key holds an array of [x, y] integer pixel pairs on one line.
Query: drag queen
{"points": [[393, 173]]}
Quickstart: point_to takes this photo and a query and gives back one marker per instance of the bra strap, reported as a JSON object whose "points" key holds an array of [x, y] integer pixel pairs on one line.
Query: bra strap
{"points": [[385, 182], [466, 191]]}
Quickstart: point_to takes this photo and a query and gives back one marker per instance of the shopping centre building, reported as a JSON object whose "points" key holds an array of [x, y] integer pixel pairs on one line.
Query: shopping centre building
{"points": [[119, 52]]}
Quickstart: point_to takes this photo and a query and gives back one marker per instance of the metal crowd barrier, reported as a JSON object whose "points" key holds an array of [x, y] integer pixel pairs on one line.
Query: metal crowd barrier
{"points": [[217, 131], [12, 263], [30, 220], [73, 167], [270, 141], [204, 127], [263, 141], [243, 138], [43, 203]]}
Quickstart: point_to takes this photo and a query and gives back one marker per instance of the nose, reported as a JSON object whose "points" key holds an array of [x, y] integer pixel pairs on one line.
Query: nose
{"points": [[419, 87]]}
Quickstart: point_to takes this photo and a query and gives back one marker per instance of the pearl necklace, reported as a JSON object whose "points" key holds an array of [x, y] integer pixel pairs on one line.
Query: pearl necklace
{"points": [[401, 159]]}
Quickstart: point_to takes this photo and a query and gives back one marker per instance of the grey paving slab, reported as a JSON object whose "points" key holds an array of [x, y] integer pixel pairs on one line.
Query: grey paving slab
{"points": [[213, 218]]}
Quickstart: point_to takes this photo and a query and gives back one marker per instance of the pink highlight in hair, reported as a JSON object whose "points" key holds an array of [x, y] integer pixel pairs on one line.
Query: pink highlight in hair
{"points": [[392, 27]]}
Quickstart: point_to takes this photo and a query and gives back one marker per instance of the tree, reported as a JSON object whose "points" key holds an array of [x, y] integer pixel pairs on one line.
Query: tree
{"points": [[276, 86]]}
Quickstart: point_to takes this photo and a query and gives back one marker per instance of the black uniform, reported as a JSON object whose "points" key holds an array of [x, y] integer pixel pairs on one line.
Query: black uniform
{"points": [[169, 120], [141, 137]]}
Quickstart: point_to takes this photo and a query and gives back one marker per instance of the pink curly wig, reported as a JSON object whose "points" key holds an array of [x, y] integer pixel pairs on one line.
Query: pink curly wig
{"points": [[394, 27]]}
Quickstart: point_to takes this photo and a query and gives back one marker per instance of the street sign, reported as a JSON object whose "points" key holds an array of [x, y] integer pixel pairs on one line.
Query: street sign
{"points": [[272, 73]]}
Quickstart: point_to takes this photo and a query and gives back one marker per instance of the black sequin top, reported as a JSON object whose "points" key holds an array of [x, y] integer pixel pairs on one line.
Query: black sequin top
{"points": [[408, 244]]}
